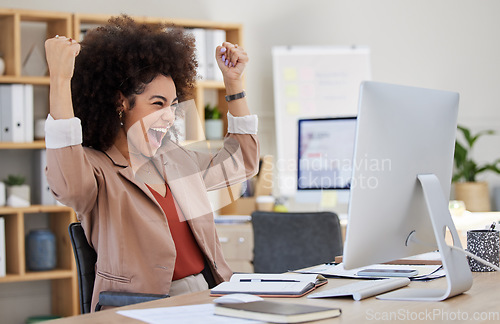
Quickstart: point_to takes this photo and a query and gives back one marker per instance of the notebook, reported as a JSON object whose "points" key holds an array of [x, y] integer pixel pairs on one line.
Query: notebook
{"points": [[270, 285], [276, 312]]}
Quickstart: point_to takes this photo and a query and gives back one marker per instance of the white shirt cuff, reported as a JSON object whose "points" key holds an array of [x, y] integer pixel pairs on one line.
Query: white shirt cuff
{"points": [[242, 125], [62, 132]]}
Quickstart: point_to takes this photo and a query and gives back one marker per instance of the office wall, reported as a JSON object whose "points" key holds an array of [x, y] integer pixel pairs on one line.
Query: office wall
{"points": [[443, 44]]}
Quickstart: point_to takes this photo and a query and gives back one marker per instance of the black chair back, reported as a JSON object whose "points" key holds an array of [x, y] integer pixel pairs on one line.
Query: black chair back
{"points": [[290, 241], [85, 257]]}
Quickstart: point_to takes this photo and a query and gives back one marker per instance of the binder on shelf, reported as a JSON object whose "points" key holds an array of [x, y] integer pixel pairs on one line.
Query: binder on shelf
{"points": [[41, 190], [201, 54], [28, 113], [12, 110], [214, 38], [3, 263]]}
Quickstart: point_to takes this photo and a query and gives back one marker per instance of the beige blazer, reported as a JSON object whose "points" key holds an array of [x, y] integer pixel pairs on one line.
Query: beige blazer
{"points": [[125, 224]]}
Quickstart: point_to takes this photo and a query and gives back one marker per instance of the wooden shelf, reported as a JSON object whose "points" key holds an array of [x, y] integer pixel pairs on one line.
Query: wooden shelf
{"points": [[204, 144], [64, 279], [42, 275], [98, 19], [34, 209], [25, 80], [208, 84], [35, 15], [22, 146]]}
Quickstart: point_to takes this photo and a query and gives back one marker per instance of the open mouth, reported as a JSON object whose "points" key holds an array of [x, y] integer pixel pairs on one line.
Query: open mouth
{"points": [[156, 135]]}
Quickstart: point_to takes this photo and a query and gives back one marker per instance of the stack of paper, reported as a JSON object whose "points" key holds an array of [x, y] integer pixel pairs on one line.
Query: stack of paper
{"points": [[203, 313], [337, 270]]}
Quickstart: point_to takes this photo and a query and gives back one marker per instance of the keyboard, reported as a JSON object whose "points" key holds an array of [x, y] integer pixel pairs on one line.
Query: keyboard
{"points": [[363, 289]]}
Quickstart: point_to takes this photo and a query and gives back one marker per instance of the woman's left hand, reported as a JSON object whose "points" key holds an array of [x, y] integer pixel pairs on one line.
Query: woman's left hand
{"points": [[231, 60]]}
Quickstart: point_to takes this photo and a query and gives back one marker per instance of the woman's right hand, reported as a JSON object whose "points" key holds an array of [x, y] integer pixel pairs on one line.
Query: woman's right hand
{"points": [[61, 52]]}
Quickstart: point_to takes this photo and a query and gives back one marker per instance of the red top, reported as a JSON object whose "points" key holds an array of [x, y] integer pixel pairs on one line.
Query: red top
{"points": [[189, 259]]}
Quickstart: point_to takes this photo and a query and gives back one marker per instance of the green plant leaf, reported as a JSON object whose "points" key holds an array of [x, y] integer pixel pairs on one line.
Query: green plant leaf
{"points": [[14, 180], [466, 134], [212, 112], [466, 169], [460, 154], [478, 135]]}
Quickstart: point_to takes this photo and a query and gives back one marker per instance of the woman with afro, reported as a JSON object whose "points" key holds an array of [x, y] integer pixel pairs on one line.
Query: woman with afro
{"points": [[112, 154]]}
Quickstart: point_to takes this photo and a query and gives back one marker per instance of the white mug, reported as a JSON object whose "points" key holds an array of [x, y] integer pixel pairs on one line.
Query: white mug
{"points": [[265, 203]]}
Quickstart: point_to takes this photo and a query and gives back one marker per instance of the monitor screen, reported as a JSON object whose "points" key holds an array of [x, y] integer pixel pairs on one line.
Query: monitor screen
{"points": [[401, 183], [325, 151]]}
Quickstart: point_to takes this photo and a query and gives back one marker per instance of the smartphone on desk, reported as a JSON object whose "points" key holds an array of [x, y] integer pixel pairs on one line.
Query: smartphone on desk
{"points": [[387, 272]]}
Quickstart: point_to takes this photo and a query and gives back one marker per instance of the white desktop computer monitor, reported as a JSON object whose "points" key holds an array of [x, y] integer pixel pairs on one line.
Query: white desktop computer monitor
{"points": [[403, 160], [325, 152]]}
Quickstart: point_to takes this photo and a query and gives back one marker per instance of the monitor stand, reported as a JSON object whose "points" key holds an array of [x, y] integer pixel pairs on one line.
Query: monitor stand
{"points": [[456, 267]]}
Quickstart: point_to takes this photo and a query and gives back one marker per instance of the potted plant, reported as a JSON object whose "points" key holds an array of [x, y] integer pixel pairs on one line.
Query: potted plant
{"points": [[18, 193], [474, 193], [213, 122]]}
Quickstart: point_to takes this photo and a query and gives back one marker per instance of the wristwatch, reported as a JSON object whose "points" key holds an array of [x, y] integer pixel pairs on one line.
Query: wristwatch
{"points": [[240, 95]]}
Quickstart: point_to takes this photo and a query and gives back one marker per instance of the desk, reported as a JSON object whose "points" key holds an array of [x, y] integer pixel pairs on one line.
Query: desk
{"points": [[480, 300]]}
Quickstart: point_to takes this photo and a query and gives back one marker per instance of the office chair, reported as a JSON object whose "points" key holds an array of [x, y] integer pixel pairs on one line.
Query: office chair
{"points": [[86, 258], [290, 241]]}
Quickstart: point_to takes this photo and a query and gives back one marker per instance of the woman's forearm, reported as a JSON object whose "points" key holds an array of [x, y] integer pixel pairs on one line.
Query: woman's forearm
{"points": [[61, 105], [238, 107], [61, 52]]}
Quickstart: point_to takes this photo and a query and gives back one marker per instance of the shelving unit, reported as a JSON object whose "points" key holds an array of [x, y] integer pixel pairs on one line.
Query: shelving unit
{"points": [[10, 40], [63, 279], [64, 289]]}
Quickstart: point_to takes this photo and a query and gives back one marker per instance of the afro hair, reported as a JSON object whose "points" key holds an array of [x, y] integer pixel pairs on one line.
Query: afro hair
{"points": [[123, 56]]}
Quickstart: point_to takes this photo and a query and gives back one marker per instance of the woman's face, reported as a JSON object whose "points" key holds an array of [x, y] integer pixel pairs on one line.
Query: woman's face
{"points": [[147, 123]]}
